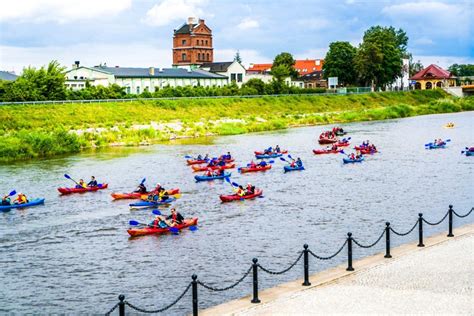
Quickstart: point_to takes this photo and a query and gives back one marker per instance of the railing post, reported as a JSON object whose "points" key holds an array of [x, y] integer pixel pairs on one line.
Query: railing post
{"points": [[450, 220], [387, 240], [420, 230], [195, 294], [255, 281], [306, 265], [121, 305], [349, 252]]}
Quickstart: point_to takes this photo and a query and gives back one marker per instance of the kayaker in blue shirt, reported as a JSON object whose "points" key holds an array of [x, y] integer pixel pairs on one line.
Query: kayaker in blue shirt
{"points": [[299, 163], [6, 200], [199, 157], [221, 163], [277, 149], [262, 163], [93, 182]]}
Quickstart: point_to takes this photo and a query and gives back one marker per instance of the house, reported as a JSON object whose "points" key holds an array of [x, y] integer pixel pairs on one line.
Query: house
{"points": [[314, 80], [137, 80], [302, 66], [433, 77], [233, 70], [8, 76], [192, 44]]}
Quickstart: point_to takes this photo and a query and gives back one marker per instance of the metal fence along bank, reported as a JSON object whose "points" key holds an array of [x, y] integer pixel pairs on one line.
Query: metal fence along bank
{"points": [[339, 91], [304, 254]]}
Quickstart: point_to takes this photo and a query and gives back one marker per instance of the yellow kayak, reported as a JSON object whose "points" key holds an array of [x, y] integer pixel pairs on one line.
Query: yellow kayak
{"points": [[449, 125]]}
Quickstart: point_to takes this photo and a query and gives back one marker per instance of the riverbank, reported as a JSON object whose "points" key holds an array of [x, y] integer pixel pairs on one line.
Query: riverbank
{"points": [[31, 131], [436, 279]]}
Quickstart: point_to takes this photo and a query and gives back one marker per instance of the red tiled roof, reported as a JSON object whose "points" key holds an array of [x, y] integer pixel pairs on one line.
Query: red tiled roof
{"points": [[302, 66], [432, 72], [260, 67]]}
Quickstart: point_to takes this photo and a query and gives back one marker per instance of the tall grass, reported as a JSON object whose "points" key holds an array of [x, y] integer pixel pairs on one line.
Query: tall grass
{"points": [[30, 131]]}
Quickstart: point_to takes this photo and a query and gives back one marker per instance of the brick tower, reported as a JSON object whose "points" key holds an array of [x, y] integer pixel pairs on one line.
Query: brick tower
{"points": [[192, 44]]}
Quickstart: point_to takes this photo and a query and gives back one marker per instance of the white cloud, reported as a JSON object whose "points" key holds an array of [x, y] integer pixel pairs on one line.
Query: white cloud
{"points": [[432, 17], [61, 11], [130, 55], [168, 11], [443, 61], [248, 23]]}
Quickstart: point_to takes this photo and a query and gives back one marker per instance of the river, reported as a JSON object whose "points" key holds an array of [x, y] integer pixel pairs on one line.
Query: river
{"points": [[73, 255]]}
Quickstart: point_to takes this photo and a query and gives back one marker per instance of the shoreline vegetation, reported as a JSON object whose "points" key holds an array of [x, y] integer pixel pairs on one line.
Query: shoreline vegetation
{"points": [[38, 131]]}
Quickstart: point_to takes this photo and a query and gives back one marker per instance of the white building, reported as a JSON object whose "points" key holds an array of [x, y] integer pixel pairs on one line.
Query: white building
{"points": [[137, 80], [233, 70]]}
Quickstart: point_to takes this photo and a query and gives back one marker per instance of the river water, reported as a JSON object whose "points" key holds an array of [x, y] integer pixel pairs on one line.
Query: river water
{"points": [[73, 255]]}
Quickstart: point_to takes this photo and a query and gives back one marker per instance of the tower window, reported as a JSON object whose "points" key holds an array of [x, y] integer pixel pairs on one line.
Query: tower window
{"points": [[208, 56], [199, 56], [206, 42], [183, 42], [183, 56]]}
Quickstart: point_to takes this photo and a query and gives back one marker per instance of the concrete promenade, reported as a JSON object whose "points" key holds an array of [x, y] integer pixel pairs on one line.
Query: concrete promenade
{"points": [[435, 279]]}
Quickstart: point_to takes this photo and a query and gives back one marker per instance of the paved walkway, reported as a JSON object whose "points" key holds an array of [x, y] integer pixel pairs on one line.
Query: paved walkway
{"points": [[437, 279]]}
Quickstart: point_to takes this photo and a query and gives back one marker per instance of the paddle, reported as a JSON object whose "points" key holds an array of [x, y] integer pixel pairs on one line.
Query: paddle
{"points": [[193, 228], [68, 177], [12, 193], [135, 223], [188, 157], [156, 212], [143, 181], [173, 230]]}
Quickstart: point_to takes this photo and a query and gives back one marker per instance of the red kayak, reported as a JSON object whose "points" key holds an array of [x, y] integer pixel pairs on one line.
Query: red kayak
{"points": [[343, 144], [204, 168], [158, 231], [263, 153], [235, 197], [323, 141], [255, 169], [137, 195], [200, 162], [367, 151], [82, 190], [325, 151]]}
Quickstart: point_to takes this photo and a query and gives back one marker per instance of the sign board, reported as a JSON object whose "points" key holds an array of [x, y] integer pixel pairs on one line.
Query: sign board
{"points": [[332, 82], [413, 82]]}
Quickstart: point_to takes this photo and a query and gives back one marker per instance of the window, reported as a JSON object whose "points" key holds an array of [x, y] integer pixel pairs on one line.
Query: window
{"points": [[208, 56], [206, 42], [183, 56], [183, 42], [81, 77], [232, 77], [239, 77], [128, 90], [138, 90], [199, 56], [75, 77]]}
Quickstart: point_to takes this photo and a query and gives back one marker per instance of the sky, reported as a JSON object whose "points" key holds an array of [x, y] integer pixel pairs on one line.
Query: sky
{"points": [[138, 33]]}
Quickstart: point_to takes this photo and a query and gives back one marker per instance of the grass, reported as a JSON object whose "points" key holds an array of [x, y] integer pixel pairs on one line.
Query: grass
{"points": [[30, 131]]}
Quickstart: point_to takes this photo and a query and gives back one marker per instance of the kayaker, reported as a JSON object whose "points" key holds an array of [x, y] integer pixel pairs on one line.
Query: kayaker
{"points": [[299, 163], [250, 189], [221, 163], [471, 149], [252, 164], [6, 200], [20, 199], [209, 172], [141, 188], [175, 217], [262, 163], [158, 222], [277, 149], [206, 157], [163, 194], [240, 191], [228, 156], [334, 147], [352, 156], [81, 184], [158, 187], [199, 157], [93, 182], [292, 163]]}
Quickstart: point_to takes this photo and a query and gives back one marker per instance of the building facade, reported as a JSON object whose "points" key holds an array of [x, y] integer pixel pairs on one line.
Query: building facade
{"points": [[314, 80], [233, 70], [138, 80], [433, 77], [192, 44]]}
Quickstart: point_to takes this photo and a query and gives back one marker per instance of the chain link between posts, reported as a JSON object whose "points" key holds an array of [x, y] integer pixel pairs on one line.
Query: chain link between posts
{"points": [[438, 222], [330, 257], [282, 271], [112, 309], [465, 215], [138, 309], [372, 244], [216, 289], [404, 234]]}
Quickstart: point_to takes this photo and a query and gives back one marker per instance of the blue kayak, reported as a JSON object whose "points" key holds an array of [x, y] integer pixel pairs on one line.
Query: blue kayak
{"points": [[289, 168], [432, 146], [206, 178], [268, 156], [348, 160], [6, 208], [152, 204], [469, 153]]}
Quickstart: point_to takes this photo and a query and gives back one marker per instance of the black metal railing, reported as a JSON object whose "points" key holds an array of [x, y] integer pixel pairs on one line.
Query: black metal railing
{"points": [[255, 265]]}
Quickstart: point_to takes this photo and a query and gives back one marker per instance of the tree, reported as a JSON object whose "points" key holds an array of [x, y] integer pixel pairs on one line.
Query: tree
{"points": [[237, 57], [283, 67], [339, 62], [257, 84], [414, 67], [462, 70], [379, 57]]}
